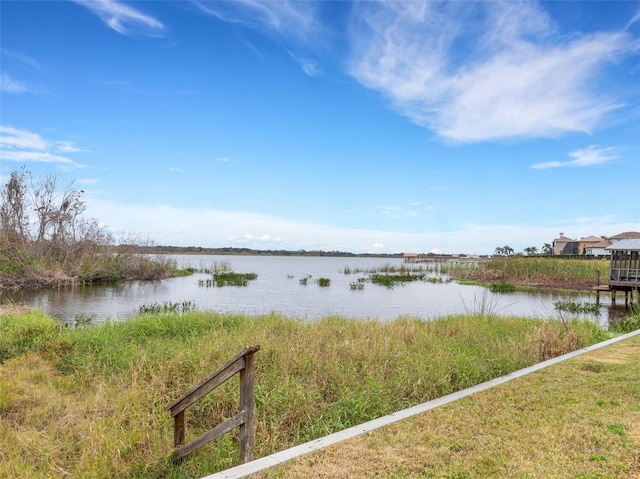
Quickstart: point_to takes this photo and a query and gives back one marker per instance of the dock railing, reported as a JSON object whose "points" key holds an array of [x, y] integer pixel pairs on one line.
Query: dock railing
{"points": [[242, 363]]}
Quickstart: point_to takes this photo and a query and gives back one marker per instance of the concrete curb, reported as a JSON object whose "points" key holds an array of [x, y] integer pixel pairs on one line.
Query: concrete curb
{"points": [[266, 462]]}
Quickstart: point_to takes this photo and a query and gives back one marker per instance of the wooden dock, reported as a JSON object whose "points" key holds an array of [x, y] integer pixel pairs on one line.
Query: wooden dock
{"points": [[605, 288]]}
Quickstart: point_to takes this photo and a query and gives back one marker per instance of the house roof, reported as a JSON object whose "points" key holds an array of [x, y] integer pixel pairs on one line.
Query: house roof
{"points": [[625, 244], [601, 244], [626, 235], [564, 239], [591, 239]]}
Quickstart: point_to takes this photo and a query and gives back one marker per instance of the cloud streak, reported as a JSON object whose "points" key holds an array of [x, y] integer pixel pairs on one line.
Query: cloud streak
{"points": [[123, 18], [25, 146], [9, 85], [517, 80], [589, 156], [291, 19]]}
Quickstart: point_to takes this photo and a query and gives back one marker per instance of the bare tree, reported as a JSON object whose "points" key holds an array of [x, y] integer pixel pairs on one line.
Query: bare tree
{"points": [[14, 220], [37, 216]]}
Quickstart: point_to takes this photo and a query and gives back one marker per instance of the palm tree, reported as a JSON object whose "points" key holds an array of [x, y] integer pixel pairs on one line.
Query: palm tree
{"points": [[547, 249], [531, 250]]}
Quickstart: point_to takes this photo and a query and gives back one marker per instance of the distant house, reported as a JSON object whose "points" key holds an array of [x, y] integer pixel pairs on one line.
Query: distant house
{"points": [[565, 245], [590, 245], [410, 257], [624, 236], [599, 249], [587, 242]]}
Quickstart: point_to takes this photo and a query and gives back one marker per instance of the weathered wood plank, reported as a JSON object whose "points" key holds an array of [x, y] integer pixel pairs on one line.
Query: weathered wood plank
{"points": [[247, 404], [209, 436], [204, 388], [178, 429]]}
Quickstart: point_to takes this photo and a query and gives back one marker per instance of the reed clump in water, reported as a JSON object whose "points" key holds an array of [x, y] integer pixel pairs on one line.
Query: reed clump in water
{"points": [[538, 271]]}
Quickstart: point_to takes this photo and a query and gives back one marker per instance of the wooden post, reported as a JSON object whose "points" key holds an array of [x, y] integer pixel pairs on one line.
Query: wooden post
{"points": [[247, 405], [178, 429]]}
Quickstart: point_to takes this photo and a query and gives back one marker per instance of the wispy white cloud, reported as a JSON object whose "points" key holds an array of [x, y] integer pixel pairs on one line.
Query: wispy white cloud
{"points": [[176, 170], [515, 77], [589, 156], [222, 159], [308, 65], [68, 147], [295, 22], [24, 60], [287, 18], [25, 146], [122, 18], [9, 85]]}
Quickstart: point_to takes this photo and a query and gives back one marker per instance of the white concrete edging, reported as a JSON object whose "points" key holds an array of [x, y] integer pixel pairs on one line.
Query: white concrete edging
{"points": [[257, 465]]}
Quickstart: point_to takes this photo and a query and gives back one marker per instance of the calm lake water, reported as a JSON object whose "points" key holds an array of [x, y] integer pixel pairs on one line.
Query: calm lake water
{"points": [[278, 289]]}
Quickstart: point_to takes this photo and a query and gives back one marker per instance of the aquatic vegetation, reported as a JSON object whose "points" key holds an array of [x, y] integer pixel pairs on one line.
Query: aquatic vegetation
{"points": [[228, 278], [502, 288], [390, 280], [167, 307], [628, 323], [324, 282], [577, 307], [216, 266]]}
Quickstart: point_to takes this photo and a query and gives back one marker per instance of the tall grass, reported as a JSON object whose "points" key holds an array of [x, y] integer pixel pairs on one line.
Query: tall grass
{"points": [[91, 402], [539, 269]]}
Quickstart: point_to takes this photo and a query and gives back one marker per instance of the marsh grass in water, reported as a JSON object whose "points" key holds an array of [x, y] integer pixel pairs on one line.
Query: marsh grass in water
{"points": [[92, 400], [391, 280], [229, 278], [577, 307], [502, 288], [167, 307], [539, 270]]}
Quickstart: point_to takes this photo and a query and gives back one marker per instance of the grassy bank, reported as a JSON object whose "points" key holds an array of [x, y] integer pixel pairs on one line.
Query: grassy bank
{"points": [[576, 420], [91, 401]]}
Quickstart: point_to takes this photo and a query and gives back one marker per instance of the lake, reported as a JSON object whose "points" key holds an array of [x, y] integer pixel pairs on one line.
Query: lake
{"points": [[278, 289]]}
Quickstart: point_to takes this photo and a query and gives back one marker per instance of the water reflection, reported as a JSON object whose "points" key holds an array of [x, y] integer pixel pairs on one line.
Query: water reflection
{"points": [[278, 289]]}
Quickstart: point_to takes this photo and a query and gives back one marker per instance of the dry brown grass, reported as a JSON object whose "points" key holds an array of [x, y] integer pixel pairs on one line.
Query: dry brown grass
{"points": [[579, 419]]}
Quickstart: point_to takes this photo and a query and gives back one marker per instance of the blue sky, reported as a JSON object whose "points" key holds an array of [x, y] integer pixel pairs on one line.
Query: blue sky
{"points": [[454, 127]]}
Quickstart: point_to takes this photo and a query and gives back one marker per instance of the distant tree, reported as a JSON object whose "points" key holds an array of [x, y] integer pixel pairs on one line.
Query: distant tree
{"points": [[504, 251], [547, 249], [531, 250]]}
